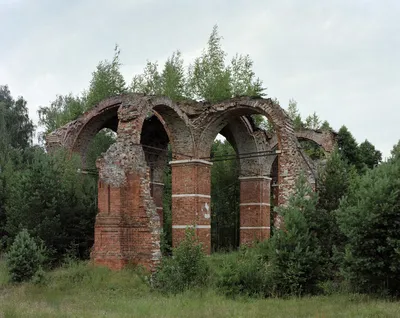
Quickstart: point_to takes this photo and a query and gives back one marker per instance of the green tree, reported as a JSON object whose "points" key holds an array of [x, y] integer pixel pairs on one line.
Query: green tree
{"points": [[294, 115], [209, 78], [369, 218], [173, 79], [313, 122], [149, 82], [17, 129], [395, 152], [24, 257], [325, 125], [186, 269], [107, 81], [333, 184], [56, 204], [294, 250], [348, 148], [369, 155], [243, 81], [61, 111]]}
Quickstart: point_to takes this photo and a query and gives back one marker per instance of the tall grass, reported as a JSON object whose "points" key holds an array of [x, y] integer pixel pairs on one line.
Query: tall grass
{"points": [[81, 290]]}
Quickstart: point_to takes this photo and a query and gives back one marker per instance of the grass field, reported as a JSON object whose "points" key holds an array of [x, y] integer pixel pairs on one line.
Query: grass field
{"points": [[81, 290]]}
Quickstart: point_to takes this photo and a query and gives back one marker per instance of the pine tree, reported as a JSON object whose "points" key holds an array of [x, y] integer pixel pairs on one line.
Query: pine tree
{"points": [[369, 218], [369, 155], [293, 251], [106, 81], [348, 148], [294, 115], [24, 257]]}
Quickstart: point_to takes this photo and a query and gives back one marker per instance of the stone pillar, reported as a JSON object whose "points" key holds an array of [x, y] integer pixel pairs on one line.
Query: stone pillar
{"points": [[125, 231], [191, 200], [107, 249], [254, 208]]}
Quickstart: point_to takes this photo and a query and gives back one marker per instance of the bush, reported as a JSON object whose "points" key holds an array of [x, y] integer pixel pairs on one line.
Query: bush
{"points": [[54, 203], [370, 219], [293, 251], [187, 268], [24, 258], [244, 273]]}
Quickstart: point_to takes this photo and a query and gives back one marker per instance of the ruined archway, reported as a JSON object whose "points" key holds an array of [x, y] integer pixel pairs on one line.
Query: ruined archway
{"points": [[128, 225]]}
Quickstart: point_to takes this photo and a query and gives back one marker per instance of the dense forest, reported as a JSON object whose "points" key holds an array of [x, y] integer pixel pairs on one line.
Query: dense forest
{"points": [[345, 234]]}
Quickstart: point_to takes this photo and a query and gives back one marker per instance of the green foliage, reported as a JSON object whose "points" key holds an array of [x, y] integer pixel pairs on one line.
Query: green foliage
{"points": [[294, 115], [24, 258], [99, 144], [149, 82], [348, 148], [313, 122], [244, 273], [61, 111], [54, 203], [243, 81], [395, 152], [369, 155], [224, 198], [325, 125], [16, 129], [106, 81], [208, 78], [288, 263], [173, 81], [312, 149], [369, 218], [186, 269], [294, 251], [333, 183]]}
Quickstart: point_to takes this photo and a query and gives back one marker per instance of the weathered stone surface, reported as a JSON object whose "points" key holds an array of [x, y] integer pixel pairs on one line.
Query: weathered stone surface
{"points": [[130, 172]]}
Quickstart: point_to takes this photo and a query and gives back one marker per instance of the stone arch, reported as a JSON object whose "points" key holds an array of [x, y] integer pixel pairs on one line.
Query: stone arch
{"points": [[216, 116], [326, 139], [127, 225], [103, 115], [254, 204], [245, 140], [126, 180]]}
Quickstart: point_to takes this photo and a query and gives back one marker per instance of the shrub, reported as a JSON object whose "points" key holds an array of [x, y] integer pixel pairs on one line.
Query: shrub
{"points": [[187, 268], [244, 273], [24, 258], [370, 219], [293, 251]]}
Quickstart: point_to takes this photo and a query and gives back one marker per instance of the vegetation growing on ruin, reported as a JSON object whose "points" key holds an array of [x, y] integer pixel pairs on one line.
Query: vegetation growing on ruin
{"points": [[343, 241]]}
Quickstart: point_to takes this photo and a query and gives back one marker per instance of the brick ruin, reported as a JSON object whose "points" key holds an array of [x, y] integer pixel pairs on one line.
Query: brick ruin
{"points": [[130, 186]]}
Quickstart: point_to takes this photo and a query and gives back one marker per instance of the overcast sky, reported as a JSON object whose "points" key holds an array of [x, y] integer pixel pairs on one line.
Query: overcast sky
{"points": [[339, 58]]}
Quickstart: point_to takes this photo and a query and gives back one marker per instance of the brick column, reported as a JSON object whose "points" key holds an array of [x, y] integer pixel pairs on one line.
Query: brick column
{"points": [[107, 249], [124, 230], [254, 208], [191, 200]]}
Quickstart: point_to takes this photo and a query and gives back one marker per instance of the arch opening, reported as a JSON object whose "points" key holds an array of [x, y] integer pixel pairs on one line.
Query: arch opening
{"points": [[97, 134], [244, 217]]}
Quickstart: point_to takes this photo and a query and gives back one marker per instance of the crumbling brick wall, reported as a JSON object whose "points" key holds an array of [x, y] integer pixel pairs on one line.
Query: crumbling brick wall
{"points": [[130, 172]]}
